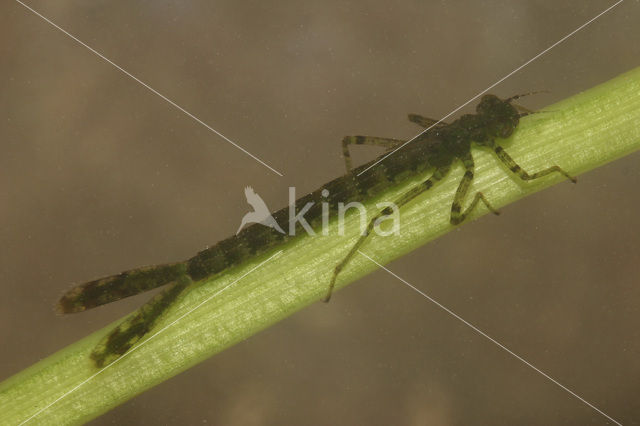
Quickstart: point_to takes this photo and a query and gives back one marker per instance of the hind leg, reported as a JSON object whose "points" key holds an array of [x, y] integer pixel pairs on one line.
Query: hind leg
{"points": [[404, 199]]}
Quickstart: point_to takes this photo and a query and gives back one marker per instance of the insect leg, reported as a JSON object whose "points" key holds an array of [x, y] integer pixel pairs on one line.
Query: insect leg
{"points": [[424, 121], [365, 140], [404, 199], [132, 329], [515, 168], [457, 215]]}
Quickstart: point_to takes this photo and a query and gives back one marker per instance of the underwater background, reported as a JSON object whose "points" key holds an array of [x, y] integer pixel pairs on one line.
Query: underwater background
{"points": [[99, 175]]}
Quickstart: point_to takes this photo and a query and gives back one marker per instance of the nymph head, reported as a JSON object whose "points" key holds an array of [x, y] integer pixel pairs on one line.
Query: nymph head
{"points": [[501, 117]]}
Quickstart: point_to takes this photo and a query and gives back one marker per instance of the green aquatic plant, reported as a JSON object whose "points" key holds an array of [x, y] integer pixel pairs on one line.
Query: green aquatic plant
{"points": [[577, 134]]}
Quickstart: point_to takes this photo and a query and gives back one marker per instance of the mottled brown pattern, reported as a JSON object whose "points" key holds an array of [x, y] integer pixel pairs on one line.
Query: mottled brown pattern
{"points": [[109, 289], [439, 147], [436, 148]]}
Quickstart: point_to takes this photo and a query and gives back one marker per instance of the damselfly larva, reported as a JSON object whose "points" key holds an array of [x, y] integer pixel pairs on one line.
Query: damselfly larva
{"points": [[435, 149]]}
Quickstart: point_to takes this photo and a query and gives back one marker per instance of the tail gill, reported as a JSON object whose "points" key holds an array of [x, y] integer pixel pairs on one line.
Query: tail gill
{"points": [[115, 287]]}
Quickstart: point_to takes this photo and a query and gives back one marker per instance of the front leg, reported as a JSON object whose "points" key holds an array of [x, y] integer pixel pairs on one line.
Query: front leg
{"points": [[515, 168], [457, 215]]}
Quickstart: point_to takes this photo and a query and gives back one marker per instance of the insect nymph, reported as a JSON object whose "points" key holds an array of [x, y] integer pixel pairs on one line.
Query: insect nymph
{"points": [[436, 149]]}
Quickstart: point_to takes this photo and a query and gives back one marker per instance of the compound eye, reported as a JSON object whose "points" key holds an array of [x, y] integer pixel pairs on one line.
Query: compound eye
{"points": [[487, 104], [505, 130], [484, 105]]}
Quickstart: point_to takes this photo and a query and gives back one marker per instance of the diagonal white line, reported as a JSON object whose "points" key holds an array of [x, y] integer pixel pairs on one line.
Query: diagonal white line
{"points": [[495, 84], [500, 345], [151, 89], [138, 346]]}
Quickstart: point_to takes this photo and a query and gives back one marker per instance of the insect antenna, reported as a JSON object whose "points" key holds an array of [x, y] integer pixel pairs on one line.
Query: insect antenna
{"points": [[514, 97], [523, 110], [526, 111]]}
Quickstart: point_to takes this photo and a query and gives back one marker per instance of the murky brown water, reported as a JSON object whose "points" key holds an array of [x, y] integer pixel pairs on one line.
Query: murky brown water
{"points": [[98, 175]]}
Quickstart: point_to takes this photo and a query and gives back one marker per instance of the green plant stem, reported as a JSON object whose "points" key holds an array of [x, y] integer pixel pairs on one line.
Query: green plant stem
{"points": [[578, 134]]}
